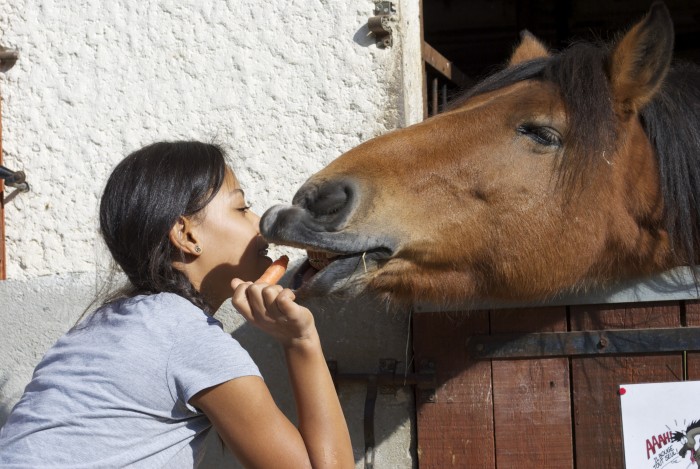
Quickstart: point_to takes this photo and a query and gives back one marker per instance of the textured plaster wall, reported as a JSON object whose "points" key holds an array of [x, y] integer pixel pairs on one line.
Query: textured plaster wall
{"points": [[285, 87]]}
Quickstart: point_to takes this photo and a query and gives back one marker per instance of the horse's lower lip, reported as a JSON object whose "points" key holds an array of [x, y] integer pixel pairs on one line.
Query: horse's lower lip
{"points": [[303, 274], [342, 268]]}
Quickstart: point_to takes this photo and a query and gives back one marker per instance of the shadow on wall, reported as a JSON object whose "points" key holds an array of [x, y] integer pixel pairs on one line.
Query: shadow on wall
{"points": [[364, 37], [5, 408], [356, 334]]}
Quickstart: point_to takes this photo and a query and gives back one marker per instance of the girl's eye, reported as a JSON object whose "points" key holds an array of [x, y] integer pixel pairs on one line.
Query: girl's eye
{"points": [[542, 135], [244, 209]]}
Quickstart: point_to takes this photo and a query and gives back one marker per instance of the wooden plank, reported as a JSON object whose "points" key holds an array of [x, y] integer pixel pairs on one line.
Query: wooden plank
{"points": [[692, 318], [455, 423], [423, 72], [445, 67], [531, 397], [597, 421], [3, 266]]}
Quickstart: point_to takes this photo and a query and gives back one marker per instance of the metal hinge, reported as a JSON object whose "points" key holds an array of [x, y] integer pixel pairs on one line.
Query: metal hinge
{"points": [[385, 381], [380, 24], [14, 179], [8, 58], [584, 343]]}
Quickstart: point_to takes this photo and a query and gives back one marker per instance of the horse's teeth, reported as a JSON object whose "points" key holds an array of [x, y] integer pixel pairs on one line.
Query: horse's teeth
{"points": [[318, 260]]}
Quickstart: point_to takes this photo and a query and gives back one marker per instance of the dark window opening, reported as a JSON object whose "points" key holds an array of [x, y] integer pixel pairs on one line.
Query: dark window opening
{"points": [[477, 37]]}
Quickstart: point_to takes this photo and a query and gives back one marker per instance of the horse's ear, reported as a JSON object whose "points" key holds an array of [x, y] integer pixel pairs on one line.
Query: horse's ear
{"points": [[529, 48], [640, 60]]}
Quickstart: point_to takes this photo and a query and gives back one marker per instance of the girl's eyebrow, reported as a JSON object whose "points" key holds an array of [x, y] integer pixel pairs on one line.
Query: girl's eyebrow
{"points": [[233, 192]]}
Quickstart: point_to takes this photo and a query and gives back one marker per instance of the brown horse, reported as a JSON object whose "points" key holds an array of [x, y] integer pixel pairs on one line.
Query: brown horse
{"points": [[559, 172]]}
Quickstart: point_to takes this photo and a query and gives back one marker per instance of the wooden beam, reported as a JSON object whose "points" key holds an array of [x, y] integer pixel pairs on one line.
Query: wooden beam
{"points": [[425, 79], [436, 60], [3, 268]]}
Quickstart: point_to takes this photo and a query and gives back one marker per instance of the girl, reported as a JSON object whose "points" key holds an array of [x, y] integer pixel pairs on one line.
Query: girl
{"points": [[141, 381]]}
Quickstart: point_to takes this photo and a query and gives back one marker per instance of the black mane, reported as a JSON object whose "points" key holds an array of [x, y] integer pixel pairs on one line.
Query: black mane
{"points": [[579, 74], [671, 121]]}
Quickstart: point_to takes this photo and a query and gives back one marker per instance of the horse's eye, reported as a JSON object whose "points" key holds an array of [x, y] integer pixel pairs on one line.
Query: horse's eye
{"points": [[542, 135]]}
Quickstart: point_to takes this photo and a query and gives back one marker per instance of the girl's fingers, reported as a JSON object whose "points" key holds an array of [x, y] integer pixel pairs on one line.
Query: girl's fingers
{"points": [[254, 294], [269, 295], [285, 301], [240, 298], [288, 294], [255, 301], [269, 307]]}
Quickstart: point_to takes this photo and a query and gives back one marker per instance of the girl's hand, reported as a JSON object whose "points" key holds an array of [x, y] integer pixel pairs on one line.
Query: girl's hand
{"points": [[272, 309], [258, 432]]}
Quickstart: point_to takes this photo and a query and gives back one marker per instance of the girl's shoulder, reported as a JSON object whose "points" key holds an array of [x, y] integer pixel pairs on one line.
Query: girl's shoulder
{"points": [[160, 313], [164, 305]]}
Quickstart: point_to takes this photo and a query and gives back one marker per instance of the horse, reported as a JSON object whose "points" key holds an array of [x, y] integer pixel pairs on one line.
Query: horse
{"points": [[560, 172]]}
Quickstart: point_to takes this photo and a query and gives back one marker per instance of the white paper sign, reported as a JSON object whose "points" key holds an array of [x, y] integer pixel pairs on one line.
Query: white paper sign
{"points": [[661, 425]]}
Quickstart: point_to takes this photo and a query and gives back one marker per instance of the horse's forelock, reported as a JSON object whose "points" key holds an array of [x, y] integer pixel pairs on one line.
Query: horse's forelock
{"points": [[579, 73]]}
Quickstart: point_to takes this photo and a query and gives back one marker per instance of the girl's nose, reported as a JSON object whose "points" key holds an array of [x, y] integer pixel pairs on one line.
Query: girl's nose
{"points": [[256, 219]]}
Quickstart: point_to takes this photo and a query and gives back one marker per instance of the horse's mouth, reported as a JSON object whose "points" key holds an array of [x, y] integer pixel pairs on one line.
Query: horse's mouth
{"points": [[323, 271], [341, 259]]}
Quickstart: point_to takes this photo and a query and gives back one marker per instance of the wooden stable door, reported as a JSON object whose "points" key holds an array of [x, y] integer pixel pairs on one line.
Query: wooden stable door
{"points": [[536, 412]]}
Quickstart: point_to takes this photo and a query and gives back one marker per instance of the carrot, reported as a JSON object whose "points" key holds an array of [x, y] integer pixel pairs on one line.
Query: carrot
{"points": [[275, 272]]}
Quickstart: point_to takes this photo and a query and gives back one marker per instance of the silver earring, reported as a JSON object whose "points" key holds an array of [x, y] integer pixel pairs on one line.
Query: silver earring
{"points": [[197, 249]]}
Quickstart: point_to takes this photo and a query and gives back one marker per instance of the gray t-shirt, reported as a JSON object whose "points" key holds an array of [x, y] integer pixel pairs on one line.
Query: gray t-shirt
{"points": [[114, 391]]}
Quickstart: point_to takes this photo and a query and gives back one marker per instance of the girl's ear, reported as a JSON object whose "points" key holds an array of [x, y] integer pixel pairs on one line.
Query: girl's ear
{"points": [[183, 238]]}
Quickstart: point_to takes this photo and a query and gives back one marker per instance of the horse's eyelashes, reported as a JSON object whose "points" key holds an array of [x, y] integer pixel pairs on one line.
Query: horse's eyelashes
{"points": [[540, 134]]}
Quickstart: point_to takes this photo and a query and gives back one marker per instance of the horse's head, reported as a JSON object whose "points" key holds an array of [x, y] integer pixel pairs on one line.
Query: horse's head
{"points": [[541, 178]]}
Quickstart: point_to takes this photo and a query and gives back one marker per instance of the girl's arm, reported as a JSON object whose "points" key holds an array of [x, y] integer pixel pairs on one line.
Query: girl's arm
{"points": [[243, 411]]}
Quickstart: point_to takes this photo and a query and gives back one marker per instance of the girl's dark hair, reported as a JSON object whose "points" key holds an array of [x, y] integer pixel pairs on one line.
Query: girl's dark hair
{"points": [[144, 196]]}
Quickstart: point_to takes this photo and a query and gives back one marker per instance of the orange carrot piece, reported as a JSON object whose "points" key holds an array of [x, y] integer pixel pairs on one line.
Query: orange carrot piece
{"points": [[274, 273]]}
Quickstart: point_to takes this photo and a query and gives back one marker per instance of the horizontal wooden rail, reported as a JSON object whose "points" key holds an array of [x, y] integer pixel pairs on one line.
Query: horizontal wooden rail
{"points": [[436, 60]]}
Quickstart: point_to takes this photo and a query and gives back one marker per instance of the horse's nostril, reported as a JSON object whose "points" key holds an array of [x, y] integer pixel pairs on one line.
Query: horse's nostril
{"points": [[328, 202]]}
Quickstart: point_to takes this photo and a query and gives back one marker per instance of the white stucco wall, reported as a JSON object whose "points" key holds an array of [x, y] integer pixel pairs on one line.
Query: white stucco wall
{"points": [[285, 87]]}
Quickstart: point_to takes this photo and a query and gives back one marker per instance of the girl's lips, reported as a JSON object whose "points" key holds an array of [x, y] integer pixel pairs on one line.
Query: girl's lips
{"points": [[262, 246]]}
